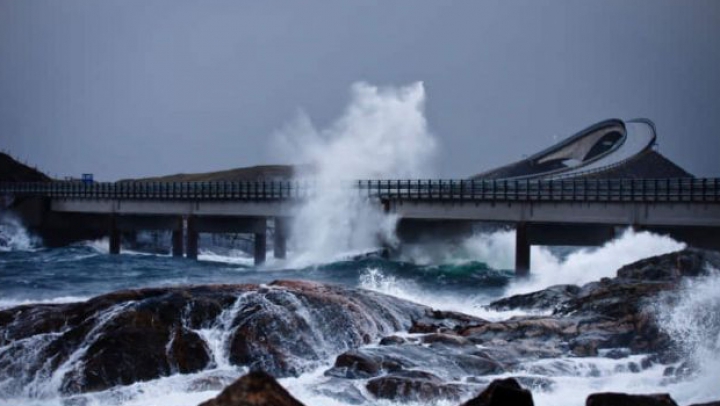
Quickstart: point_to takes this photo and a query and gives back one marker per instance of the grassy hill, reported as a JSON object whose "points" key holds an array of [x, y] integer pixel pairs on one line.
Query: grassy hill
{"points": [[14, 171], [253, 173]]}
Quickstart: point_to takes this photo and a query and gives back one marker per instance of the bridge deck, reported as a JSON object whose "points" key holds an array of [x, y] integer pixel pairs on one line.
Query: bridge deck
{"points": [[559, 190], [689, 204]]}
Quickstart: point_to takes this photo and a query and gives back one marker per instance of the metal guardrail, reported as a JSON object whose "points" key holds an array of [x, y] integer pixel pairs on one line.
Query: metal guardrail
{"points": [[559, 190]]}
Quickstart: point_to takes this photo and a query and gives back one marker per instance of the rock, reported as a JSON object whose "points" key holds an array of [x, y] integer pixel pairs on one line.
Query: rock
{"points": [[623, 399], [138, 335], [408, 386], [502, 392], [584, 347], [392, 340], [254, 389], [435, 321], [671, 267], [446, 360], [356, 365], [542, 300], [341, 319], [535, 328], [445, 339], [617, 353]]}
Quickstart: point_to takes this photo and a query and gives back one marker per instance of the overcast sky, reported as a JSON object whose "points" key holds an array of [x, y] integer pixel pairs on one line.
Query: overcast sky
{"points": [[139, 87]]}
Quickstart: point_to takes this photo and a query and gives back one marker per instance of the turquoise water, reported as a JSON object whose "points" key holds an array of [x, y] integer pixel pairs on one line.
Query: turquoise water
{"points": [[475, 273], [85, 270]]}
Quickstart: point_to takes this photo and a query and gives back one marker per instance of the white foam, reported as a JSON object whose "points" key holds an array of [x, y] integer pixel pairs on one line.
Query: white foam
{"points": [[374, 279], [382, 134], [7, 303], [235, 257], [497, 250], [694, 322], [579, 267], [101, 245], [14, 236]]}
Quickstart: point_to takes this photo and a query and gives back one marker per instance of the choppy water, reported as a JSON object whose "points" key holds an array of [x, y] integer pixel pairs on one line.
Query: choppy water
{"points": [[473, 274]]}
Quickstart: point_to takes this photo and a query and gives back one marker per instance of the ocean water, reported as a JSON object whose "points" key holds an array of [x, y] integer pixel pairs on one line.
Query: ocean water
{"points": [[477, 274], [382, 133]]}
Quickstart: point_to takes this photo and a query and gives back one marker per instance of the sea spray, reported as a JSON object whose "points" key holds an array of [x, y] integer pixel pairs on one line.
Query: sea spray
{"points": [[496, 250], [578, 267], [382, 134], [693, 322], [14, 236], [473, 304]]}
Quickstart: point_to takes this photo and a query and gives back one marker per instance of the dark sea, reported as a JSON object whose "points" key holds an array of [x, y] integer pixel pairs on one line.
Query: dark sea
{"points": [[464, 278]]}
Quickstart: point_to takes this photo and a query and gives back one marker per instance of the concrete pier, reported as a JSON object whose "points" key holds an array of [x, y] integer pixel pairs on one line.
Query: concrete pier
{"points": [[522, 250], [580, 212], [260, 248], [280, 238], [191, 238], [178, 250], [114, 236]]}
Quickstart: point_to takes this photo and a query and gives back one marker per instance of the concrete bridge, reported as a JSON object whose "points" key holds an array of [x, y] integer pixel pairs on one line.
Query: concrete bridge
{"points": [[544, 212]]}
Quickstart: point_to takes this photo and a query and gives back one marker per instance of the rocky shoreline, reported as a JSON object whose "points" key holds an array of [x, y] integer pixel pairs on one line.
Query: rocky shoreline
{"points": [[260, 389], [400, 351]]}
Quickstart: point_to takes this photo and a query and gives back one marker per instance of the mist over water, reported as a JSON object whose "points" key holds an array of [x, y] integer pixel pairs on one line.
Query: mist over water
{"points": [[694, 322], [585, 265], [14, 237], [474, 273], [381, 134], [495, 251]]}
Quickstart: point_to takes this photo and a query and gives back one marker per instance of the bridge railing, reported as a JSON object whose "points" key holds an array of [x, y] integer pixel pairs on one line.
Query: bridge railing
{"points": [[605, 190], [601, 190], [275, 190]]}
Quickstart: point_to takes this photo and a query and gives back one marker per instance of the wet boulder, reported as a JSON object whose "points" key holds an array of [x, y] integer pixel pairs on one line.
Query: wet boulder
{"points": [[291, 326], [672, 266], [546, 299], [357, 364], [454, 361], [417, 386], [436, 321], [254, 389], [624, 399], [139, 335], [502, 392]]}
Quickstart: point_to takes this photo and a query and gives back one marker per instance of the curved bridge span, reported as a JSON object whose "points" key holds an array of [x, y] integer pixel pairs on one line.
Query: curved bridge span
{"points": [[599, 148]]}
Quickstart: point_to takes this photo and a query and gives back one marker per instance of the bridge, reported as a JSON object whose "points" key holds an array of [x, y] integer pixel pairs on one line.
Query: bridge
{"points": [[555, 211]]}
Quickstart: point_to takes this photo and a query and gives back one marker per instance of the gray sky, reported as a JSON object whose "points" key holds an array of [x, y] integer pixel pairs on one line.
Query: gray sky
{"points": [[140, 87]]}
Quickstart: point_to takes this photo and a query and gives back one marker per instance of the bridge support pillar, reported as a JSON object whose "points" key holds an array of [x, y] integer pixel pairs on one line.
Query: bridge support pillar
{"points": [[177, 239], [280, 238], [260, 250], [191, 244], [522, 251], [115, 236]]}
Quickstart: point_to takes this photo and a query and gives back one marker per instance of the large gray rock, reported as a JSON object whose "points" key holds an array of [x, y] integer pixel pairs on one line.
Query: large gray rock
{"points": [[121, 338]]}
